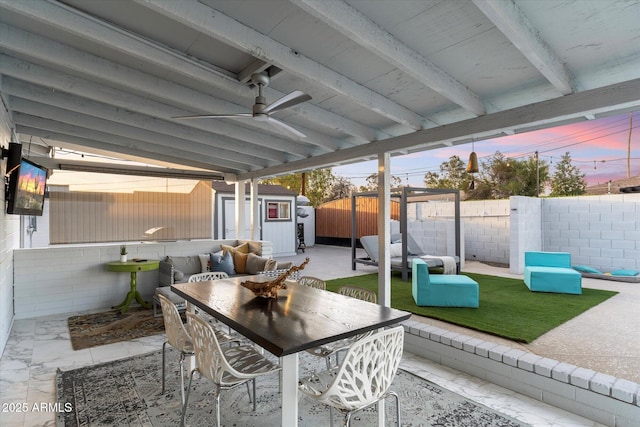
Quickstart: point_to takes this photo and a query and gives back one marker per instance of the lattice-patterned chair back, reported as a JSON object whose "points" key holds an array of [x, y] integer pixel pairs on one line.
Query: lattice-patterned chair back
{"points": [[226, 368], [312, 282], [209, 275], [358, 292], [364, 376], [209, 357], [367, 370], [177, 335]]}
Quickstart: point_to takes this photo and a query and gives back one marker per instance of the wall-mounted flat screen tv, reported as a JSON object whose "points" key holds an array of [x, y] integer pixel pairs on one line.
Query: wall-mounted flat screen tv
{"points": [[27, 185]]}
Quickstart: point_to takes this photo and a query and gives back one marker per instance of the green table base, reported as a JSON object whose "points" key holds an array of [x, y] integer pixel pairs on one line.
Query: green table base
{"points": [[132, 267]]}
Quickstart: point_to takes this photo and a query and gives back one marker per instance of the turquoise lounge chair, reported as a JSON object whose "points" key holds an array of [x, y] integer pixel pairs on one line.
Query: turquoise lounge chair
{"points": [[442, 290]]}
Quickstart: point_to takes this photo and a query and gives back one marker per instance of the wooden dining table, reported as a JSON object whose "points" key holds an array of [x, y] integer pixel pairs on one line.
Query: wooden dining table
{"points": [[300, 318]]}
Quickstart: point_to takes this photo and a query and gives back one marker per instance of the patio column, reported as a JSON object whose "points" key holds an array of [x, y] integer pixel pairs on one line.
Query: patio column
{"points": [[254, 211], [384, 230], [240, 209]]}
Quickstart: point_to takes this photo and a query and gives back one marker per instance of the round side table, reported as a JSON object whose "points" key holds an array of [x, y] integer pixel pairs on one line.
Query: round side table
{"points": [[132, 267]]}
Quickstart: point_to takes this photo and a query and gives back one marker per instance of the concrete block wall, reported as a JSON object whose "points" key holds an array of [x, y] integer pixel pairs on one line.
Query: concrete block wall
{"points": [[602, 398], [599, 231], [437, 237], [525, 230], [64, 279], [484, 228]]}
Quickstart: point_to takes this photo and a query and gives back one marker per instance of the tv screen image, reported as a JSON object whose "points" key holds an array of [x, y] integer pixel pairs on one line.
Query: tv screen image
{"points": [[27, 197]]}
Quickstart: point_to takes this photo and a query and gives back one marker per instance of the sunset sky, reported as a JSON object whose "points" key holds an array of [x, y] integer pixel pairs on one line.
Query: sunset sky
{"points": [[601, 143]]}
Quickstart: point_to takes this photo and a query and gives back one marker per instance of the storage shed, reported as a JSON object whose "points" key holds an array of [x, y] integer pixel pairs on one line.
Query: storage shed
{"points": [[277, 218]]}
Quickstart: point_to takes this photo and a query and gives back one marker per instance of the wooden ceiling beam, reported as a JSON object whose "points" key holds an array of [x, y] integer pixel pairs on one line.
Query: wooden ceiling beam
{"points": [[220, 26], [513, 23], [363, 31]]}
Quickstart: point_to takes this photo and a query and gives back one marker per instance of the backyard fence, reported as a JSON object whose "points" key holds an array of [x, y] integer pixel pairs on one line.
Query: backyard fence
{"points": [[91, 217], [600, 231], [333, 220]]}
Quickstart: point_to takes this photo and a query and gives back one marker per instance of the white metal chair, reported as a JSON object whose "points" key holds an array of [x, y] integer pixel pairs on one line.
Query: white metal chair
{"points": [[205, 277], [358, 292], [179, 302], [227, 367], [332, 348], [364, 376], [312, 282], [208, 275], [179, 338]]}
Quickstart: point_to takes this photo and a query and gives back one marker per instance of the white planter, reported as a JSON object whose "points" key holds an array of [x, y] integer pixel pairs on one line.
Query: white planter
{"points": [[123, 258]]}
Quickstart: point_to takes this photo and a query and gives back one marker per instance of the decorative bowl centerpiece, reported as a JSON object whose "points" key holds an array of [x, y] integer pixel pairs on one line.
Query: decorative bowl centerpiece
{"points": [[270, 289]]}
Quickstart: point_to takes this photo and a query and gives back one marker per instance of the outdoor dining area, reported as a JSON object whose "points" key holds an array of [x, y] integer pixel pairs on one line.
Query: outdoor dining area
{"points": [[119, 305], [294, 346]]}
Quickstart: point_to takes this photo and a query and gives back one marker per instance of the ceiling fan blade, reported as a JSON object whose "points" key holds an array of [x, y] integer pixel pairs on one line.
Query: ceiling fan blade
{"points": [[213, 116], [294, 98], [286, 127]]}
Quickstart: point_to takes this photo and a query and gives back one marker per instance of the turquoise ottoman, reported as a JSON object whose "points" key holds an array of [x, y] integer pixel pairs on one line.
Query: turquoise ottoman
{"points": [[551, 272]]}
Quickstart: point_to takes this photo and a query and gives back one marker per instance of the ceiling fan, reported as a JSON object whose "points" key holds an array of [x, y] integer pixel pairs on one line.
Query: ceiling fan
{"points": [[261, 111]]}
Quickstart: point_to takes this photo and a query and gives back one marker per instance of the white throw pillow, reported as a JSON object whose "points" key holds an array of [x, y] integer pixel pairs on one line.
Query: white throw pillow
{"points": [[204, 262], [395, 250]]}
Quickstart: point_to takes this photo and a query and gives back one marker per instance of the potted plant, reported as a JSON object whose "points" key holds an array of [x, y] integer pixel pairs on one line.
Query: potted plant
{"points": [[123, 253]]}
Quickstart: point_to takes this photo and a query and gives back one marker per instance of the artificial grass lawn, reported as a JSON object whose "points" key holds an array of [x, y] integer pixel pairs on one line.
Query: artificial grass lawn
{"points": [[507, 308]]}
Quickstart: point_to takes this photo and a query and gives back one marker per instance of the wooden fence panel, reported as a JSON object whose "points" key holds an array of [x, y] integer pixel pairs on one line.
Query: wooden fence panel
{"points": [[85, 217], [333, 219]]}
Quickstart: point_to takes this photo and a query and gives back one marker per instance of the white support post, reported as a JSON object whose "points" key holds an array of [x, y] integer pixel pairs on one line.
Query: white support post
{"points": [[290, 366], [384, 230], [240, 209], [384, 243], [255, 211]]}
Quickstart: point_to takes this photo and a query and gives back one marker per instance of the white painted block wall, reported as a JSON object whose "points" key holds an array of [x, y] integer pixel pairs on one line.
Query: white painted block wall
{"points": [[486, 230], [484, 227], [599, 231], [525, 230], [602, 398], [9, 239], [66, 279]]}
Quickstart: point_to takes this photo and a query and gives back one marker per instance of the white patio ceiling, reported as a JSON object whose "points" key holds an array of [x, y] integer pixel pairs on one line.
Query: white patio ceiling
{"points": [[385, 75]]}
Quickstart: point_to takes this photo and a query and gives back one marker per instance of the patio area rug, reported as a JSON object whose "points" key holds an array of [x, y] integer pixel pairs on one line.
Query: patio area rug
{"points": [[128, 392], [91, 330]]}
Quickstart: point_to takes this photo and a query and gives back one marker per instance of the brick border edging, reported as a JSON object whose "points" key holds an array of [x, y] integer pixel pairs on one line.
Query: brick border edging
{"points": [[602, 398]]}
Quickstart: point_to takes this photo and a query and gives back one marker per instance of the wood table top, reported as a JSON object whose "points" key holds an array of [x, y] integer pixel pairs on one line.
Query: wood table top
{"points": [[299, 319]]}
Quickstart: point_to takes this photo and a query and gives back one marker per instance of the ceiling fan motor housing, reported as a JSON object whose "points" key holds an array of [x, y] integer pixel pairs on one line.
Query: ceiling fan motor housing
{"points": [[258, 108]]}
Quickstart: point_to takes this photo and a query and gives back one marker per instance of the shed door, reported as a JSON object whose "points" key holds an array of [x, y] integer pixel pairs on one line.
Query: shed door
{"points": [[229, 220]]}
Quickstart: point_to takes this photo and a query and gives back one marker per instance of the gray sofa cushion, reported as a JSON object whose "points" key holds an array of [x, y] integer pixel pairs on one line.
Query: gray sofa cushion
{"points": [[284, 265], [188, 265], [257, 263]]}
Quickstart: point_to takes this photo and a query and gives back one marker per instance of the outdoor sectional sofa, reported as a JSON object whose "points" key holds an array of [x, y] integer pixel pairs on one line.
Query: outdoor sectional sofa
{"points": [[234, 257], [551, 272]]}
